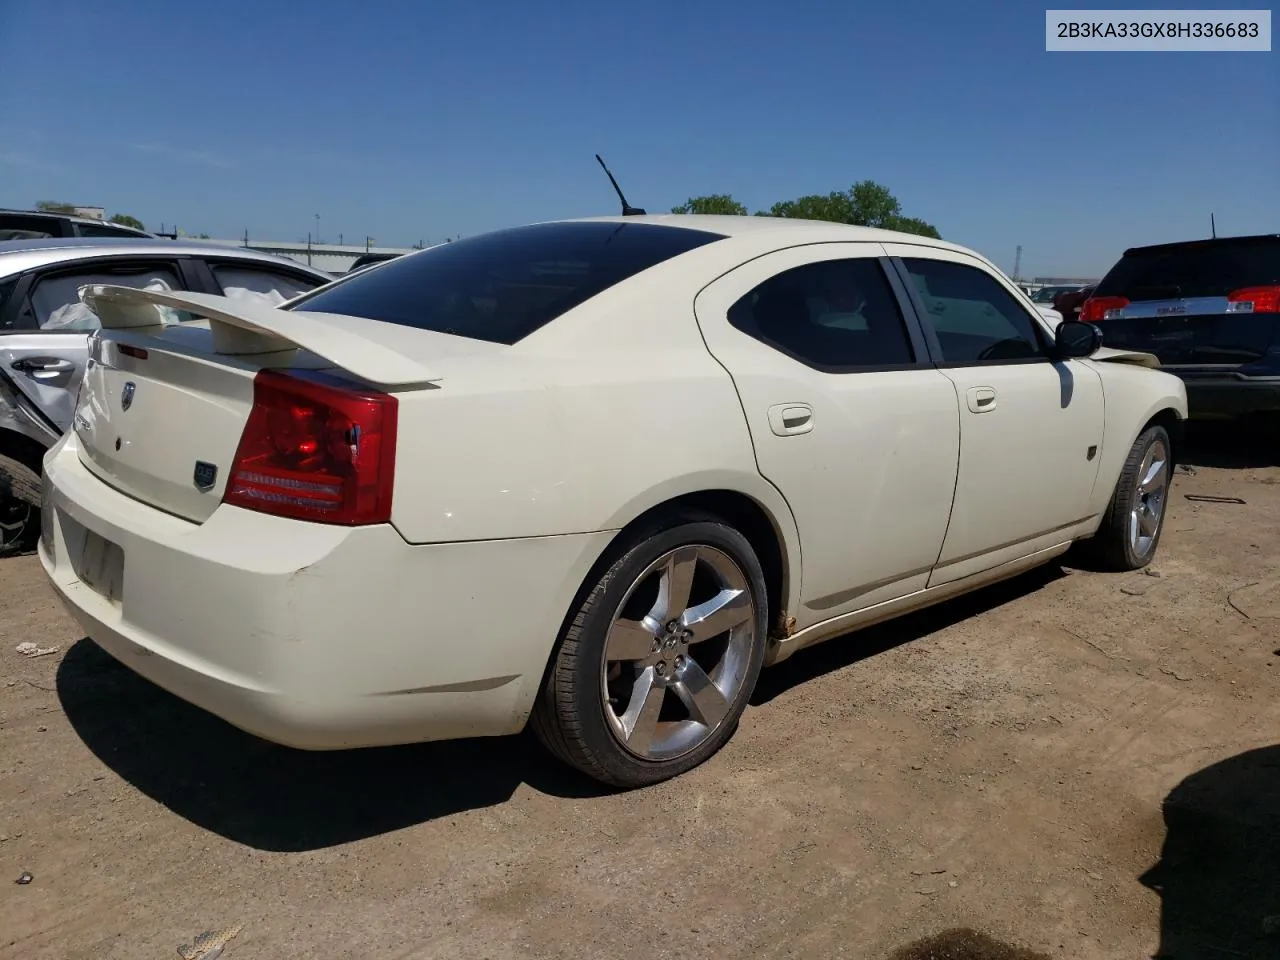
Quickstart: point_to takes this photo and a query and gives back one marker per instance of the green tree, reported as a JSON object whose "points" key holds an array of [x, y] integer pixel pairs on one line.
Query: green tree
{"points": [[127, 221], [54, 206], [912, 225], [716, 204], [865, 204], [836, 207]]}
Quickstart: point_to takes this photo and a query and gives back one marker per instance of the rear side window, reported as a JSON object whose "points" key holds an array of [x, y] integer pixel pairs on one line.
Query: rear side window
{"points": [[834, 315], [1206, 269], [55, 298], [263, 286], [105, 230], [503, 286], [16, 226], [6, 291]]}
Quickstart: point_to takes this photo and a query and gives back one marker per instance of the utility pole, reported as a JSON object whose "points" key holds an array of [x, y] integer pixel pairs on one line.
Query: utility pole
{"points": [[339, 239], [308, 248], [317, 228], [1017, 264]]}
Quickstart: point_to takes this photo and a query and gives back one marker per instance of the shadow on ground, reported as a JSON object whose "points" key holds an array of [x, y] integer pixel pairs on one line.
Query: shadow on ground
{"points": [[275, 798], [1231, 445], [964, 944], [1219, 871], [841, 652]]}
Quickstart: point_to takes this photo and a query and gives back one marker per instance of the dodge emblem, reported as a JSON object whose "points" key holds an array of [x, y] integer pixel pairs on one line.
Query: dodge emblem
{"points": [[205, 476], [126, 395]]}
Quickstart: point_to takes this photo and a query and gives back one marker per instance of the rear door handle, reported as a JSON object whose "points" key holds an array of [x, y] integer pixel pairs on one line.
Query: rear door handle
{"points": [[46, 365], [790, 419], [981, 399]]}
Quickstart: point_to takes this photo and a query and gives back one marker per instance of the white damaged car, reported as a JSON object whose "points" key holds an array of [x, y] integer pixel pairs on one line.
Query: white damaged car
{"points": [[587, 475]]}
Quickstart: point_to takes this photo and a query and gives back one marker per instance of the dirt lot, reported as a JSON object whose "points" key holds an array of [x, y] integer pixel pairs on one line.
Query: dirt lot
{"points": [[1084, 765]]}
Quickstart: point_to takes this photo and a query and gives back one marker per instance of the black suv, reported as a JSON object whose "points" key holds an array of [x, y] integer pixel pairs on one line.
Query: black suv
{"points": [[1209, 309], [37, 225]]}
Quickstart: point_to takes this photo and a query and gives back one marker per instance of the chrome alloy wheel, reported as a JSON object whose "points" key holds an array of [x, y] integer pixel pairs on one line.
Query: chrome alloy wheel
{"points": [[15, 517], [677, 652], [1149, 499]]}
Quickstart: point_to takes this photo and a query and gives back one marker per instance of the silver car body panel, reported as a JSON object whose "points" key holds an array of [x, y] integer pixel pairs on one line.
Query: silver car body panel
{"points": [[40, 370]]}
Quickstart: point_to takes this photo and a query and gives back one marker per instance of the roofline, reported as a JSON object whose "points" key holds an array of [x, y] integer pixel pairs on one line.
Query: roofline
{"points": [[717, 224], [73, 248], [1203, 241]]}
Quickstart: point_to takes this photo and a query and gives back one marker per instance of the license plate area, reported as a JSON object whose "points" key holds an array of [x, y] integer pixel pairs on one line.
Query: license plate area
{"points": [[99, 564]]}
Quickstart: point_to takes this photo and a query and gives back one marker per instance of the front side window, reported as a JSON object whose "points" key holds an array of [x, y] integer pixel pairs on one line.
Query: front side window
{"points": [[55, 299], [831, 315], [502, 286], [976, 320]]}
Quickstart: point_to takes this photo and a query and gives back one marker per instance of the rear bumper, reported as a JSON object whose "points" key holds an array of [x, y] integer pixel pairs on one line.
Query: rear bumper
{"points": [[1230, 395], [310, 635]]}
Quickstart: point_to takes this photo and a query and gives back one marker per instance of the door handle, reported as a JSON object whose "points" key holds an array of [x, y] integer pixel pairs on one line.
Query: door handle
{"points": [[790, 419], [981, 399], [49, 366]]}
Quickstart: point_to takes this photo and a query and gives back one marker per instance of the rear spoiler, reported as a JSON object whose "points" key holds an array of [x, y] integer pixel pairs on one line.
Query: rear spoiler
{"points": [[242, 328]]}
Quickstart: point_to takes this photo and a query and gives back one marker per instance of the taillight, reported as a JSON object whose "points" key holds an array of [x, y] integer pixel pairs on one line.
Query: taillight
{"points": [[1099, 308], [315, 450], [1254, 300]]}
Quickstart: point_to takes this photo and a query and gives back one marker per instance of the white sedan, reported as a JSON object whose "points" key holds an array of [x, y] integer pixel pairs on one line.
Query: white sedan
{"points": [[589, 476]]}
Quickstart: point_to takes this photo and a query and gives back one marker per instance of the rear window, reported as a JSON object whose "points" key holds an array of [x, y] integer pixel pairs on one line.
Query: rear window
{"points": [[502, 286], [1205, 269]]}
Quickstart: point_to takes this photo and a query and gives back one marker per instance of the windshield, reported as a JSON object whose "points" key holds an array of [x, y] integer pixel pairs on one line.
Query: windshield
{"points": [[502, 286]]}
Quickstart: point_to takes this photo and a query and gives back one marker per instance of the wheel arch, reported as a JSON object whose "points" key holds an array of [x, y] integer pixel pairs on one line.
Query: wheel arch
{"points": [[759, 513], [22, 447], [750, 518], [1174, 425]]}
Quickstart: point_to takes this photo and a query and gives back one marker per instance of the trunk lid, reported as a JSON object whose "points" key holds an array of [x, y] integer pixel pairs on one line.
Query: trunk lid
{"points": [[162, 407], [155, 419]]}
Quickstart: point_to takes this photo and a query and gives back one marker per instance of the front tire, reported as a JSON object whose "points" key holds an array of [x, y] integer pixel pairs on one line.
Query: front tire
{"points": [[1131, 527], [658, 662]]}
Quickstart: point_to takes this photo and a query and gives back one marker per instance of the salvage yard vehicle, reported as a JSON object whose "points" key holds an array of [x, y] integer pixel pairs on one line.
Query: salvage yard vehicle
{"points": [[588, 476], [44, 332], [42, 225], [1209, 310]]}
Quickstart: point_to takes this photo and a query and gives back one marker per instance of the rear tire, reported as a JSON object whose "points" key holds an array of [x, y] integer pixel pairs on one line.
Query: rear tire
{"points": [[1131, 527], [19, 519], [657, 664]]}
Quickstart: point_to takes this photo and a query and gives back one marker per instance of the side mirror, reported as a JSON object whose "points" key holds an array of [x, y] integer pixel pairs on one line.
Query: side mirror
{"points": [[1075, 339]]}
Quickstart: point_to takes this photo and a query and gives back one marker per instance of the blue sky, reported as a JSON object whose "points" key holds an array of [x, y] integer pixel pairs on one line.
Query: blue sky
{"points": [[419, 119]]}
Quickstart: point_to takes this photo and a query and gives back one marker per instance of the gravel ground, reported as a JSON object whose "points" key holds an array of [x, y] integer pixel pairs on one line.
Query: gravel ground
{"points": [[1068, 765]]}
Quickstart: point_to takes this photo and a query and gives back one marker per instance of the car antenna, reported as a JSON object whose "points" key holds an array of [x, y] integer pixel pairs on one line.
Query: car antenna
{"points": [[1213, 227], [627, 209]]}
